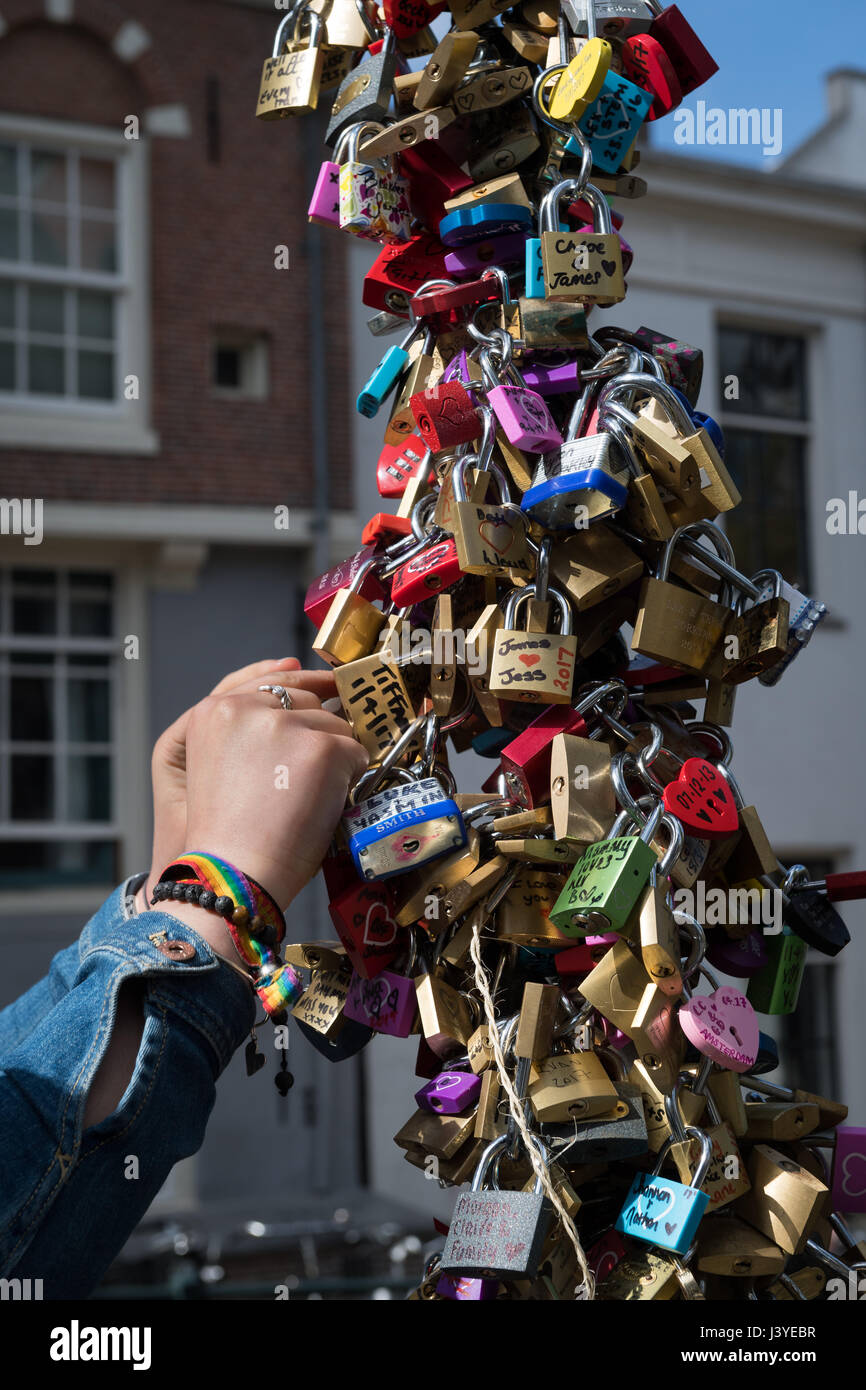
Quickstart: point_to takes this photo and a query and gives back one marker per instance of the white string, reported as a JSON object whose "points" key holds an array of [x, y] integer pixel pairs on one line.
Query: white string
{"points": [[586, 1289]]}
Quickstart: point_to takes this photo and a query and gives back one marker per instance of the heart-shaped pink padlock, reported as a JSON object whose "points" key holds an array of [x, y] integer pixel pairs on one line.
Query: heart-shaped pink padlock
{"points": [[722, 1025]]}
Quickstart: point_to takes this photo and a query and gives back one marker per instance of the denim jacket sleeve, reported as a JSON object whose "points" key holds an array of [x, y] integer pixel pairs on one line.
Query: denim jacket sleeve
{"points": [[71, 1196]]}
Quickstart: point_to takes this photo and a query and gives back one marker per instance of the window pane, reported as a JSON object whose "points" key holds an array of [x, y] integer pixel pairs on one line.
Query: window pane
{"points": [[46, 370], [35, 578], [98, 245], [96, 375], [48, 232], [32, 786], [42, 863], [89, 787], [95, 315], [808, 1037], [45, 309], [31, 659], [7, 367], [770, 369], [89, 618], [31, 709], [88, 711], [91, 579], [7, 304], [79, 659], [97, 183], [8, 169], [769, 528], [8, 234], [33, 615], [48, 176]]}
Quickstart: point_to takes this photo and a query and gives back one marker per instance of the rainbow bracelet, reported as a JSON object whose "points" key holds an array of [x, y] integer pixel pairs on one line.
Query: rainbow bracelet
{"points": [[255, 922]]}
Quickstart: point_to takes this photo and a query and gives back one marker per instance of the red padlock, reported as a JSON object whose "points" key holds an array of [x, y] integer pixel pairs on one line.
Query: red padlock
{"points": [[526, 759], [445, 301], [692, 63], [399, 270], [399, 464], [406, 17], [363, 918], [580, 959], [386, 528], [427, 573], [433, 178], [445, 415], [646, 63], [323, 589]]}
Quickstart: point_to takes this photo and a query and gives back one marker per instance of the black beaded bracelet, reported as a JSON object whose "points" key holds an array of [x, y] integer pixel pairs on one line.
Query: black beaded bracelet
{"points": [[223, 906]]}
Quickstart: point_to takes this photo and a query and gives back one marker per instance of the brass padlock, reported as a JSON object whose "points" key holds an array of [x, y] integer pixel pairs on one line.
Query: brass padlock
{"points": [[593, 565], [586, 266], [623, 993], [291, 77], [533, 666], [445, 69], [490, 538], [351, 624], [785, 1202], [674, 625]]}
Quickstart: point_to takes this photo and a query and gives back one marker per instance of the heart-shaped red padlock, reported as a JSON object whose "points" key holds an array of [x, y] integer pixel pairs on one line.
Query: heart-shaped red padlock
{"points": [[702, 800], [722, 1025]]}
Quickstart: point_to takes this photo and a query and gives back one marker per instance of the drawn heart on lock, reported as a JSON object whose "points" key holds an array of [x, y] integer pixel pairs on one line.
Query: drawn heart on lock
{"points": [[529, 660], [662, 1189], [670, 1227], [852, 1186], [379, 930], [702, 800], [609, 267], [499, 535], [722, 1025]]}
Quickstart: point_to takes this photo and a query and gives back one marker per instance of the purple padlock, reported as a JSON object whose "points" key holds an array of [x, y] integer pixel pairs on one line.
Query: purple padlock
{"points": [[478, 255], [386, 1003], [450, 1093], [849, 1169], [553, 374], [466, 1290], [738, 958], [458, 370]]}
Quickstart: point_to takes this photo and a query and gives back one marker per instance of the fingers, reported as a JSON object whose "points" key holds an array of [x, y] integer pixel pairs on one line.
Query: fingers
{"points": [[246, 674]]}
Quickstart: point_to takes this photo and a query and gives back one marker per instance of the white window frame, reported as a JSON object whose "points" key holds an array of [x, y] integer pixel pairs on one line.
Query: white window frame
{"points": [[131, 797], [73, 425]]}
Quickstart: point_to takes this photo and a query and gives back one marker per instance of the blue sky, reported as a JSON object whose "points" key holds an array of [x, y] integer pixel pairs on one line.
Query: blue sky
{"points": [[771, 53]]}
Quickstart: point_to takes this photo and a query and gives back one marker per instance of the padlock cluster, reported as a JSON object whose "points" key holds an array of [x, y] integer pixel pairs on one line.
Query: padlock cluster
{"points": [[546, 936]]}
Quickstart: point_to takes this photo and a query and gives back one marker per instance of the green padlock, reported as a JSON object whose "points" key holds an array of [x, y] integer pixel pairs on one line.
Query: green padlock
{"points": [[775, 988], [605, 884]]}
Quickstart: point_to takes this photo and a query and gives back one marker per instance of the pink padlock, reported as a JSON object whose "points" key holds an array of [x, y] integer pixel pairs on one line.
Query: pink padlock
{"points": [[322, 590], [324, 206], [465, 1290], [523, 414], [722, 1025], [742, 959], [387, 1003], [580, 959], [449, 1093], [849, 1169]]}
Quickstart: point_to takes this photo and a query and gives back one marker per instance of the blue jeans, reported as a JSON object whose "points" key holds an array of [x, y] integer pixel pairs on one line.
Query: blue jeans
{"points": [[68, 1195]]}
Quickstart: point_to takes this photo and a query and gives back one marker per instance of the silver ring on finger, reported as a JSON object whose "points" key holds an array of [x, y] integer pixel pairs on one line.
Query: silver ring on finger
{"points": [[281, 693]]}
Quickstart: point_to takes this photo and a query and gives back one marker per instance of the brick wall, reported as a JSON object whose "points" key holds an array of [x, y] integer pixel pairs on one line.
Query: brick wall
{"points": [[214, 226]]}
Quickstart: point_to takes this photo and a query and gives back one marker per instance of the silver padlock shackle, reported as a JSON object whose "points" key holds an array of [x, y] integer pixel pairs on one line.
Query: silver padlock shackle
{"points": [[496, 272], [495, 1147], [291, 19], [458, 478], [646, 805], [517, 596], [628, 819], [764, 574], [596, 694], [636, 382], [610, 423], [690, 532], [698, 937], [703, 1164], [351, 137], [548, 217], [367, 22]]}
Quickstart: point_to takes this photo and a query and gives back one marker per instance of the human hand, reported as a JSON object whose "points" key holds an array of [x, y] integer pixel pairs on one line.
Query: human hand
{"points": [[265, 786], [169, 760]]}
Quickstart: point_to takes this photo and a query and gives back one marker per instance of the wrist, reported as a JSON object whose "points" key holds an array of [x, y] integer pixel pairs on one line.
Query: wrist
{"points": [[209, 925]]}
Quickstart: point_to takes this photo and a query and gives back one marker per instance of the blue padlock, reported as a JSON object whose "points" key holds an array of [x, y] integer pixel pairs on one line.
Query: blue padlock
{"points": [[483, 220], [578, 474], [490, 742], [402, 827], [663, 1212], [384, 378], [612, 121]]}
